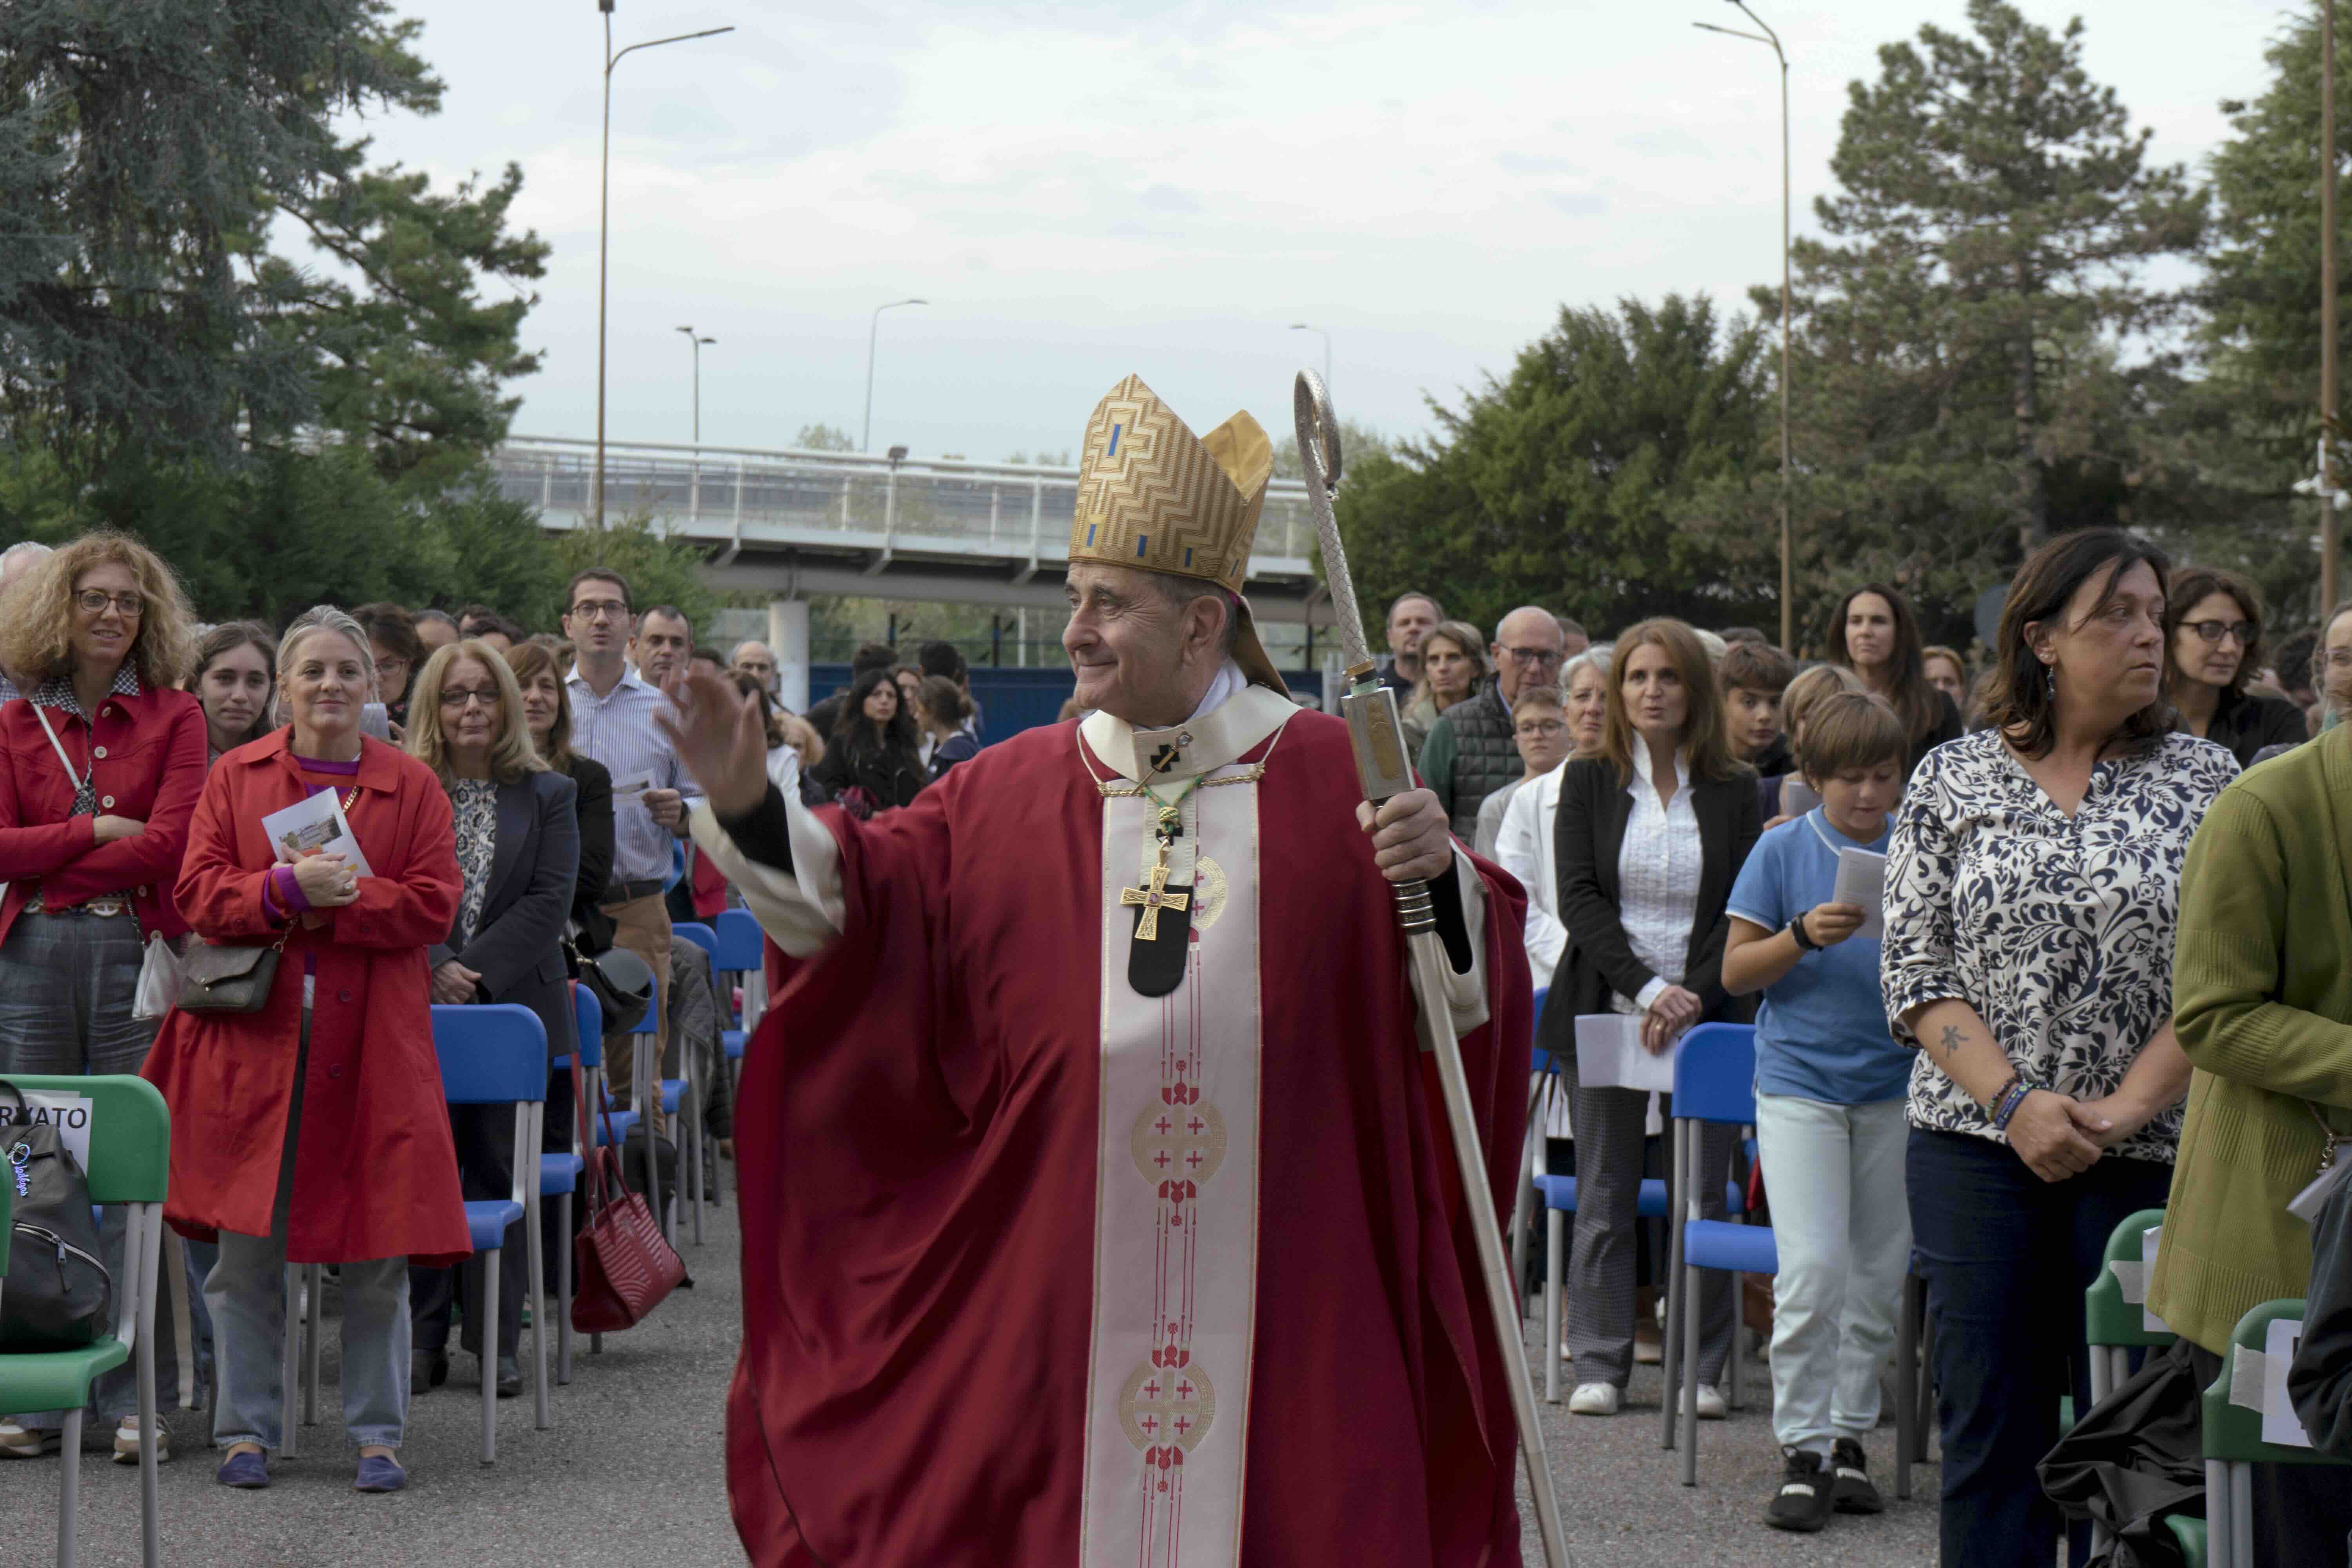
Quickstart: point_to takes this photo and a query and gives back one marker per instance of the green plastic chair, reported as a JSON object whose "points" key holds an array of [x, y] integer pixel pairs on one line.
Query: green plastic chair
{"points": [[2113, 1324], [2191, 1534], [2233, 1446], [130, 1164]]}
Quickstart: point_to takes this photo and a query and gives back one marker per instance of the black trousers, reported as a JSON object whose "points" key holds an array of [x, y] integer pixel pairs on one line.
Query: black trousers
{"points": [[484, 1138]]}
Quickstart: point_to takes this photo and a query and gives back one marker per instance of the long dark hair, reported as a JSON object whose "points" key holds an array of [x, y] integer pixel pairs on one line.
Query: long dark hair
{"points": [[1917, 703], [2018, 698], [853, 731]]}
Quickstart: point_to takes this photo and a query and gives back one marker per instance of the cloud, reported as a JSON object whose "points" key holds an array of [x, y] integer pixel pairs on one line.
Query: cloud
{"points": [[1168, 199], [1532, 163], [1581, 206], [1672, 143]]}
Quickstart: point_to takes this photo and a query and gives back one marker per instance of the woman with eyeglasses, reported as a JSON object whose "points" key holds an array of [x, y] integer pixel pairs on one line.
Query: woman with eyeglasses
{"points": [[399, 654], [2212, 642], [518, 852], [104, 760]]}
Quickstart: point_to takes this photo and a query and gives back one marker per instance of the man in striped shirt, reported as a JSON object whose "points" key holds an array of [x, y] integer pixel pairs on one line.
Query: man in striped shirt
{"points": [[613, 709]]}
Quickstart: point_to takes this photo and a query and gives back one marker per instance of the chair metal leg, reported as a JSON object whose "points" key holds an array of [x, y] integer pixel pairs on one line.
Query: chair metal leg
{"points": [[315, 1275], [2242, 1514], [1906, 1391], [564, 1288], [1738, 1335], [69, 1488], [489, 1355], [1677, 1299], [535, 1266], [691, 1102], [1689, 1390], [1522, 1216], [148, 1238], [1927, 1375], [289, 1370], [1554, 1266]]}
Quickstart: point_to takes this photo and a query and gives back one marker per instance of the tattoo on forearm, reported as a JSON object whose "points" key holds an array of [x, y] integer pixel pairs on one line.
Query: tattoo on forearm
{"points": [[1952, 1039]]}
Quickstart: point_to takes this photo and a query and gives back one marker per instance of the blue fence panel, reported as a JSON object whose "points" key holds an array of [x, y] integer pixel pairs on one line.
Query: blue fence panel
{"points": [[1013, 700]]}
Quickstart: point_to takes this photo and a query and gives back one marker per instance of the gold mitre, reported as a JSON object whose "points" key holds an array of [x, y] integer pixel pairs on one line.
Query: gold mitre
{"points": [[1154, 495]]}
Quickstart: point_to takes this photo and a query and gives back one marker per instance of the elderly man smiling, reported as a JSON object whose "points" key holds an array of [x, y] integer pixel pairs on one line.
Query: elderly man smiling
{"points": [[1096, 1186]]}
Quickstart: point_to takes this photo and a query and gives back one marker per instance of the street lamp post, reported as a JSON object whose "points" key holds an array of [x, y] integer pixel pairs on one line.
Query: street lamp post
{"points": [[2331, 527], [1787, 586], [698, 343], [1303, 327], [603, 229], [873, 330]]}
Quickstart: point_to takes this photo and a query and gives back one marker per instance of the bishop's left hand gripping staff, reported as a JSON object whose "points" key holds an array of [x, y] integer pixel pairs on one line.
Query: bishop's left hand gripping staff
{"points": [[1384, 771]]}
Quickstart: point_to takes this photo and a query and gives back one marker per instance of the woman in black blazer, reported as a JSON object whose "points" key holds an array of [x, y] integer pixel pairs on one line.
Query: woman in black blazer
{"points": [[1649, 837], [518, 854], [548, 713]]}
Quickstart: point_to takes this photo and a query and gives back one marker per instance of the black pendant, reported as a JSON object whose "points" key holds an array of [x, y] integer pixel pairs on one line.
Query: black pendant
{"points": [[1156, 966]]}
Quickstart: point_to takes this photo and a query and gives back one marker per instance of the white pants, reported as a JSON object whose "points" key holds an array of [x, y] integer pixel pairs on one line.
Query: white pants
{"points": [[1843, 1226]]}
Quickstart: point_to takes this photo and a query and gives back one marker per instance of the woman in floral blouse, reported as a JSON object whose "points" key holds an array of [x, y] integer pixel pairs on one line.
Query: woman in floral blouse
{"points": [[2031, 889]]}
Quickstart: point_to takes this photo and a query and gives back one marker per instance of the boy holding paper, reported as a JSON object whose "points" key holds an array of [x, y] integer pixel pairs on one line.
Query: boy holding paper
{"points": [[1830, 1091]]}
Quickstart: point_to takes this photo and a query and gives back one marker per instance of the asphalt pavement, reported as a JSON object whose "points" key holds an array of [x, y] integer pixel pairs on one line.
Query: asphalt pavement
{"points": [[632, 1475]]}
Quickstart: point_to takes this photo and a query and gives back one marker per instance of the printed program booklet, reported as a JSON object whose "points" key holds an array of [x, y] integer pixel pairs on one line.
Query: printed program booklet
{"points": [[317, 822]]}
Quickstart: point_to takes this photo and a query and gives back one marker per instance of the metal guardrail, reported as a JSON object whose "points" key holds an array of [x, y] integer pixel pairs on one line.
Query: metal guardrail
{"points": [[747, 495]]}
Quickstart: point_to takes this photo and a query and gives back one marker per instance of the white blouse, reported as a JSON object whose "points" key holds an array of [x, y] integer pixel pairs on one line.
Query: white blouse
{"points": [[1657, 878], [1524, 849]]}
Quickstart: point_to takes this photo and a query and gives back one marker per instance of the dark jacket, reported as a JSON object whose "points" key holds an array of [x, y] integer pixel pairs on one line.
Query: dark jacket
{"points": [[1471, 753], [516, 946], [892, 777], [1948, 727], [1590, 831], [2246, 723], [594, 807], [2320, 1381], [960, 747]]}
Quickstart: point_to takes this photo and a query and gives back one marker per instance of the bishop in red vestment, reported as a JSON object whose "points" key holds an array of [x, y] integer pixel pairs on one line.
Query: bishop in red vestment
{"points": [[1098, 1202]]}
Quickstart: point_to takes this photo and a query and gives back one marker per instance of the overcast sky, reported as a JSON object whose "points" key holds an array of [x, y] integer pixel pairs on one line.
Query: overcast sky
{"points": [[1083, 190]]}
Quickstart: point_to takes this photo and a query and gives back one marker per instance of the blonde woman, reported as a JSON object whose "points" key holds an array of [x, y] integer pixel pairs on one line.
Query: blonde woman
{"points": [[518, 856], [1453, 666], [104, 762]]}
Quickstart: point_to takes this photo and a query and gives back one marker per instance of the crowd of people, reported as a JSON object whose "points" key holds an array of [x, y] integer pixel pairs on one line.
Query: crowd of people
{"points": [[2113, 911], [522, 812], [2109, 980]]}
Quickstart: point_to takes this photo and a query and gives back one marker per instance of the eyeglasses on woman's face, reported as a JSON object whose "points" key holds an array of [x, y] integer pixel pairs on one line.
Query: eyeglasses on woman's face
{"points": [[94, 600], [455, 698], [2214, 631]]}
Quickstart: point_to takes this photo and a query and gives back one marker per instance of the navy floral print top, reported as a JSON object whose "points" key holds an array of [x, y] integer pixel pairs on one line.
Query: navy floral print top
{"points": [[2058, 931]]}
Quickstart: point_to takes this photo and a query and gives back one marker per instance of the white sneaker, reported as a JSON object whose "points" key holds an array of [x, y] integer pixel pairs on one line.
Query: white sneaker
{"points": [[19, 1442], [1711, 1406], [1595, 1399], [126, 1442]]}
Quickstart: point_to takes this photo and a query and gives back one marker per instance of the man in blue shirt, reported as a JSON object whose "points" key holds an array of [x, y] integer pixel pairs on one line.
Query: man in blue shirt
{"points": [[1830, 1084]]}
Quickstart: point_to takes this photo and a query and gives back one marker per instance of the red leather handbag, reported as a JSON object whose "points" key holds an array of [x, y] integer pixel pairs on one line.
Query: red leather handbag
{"points": [[622, 1267]]}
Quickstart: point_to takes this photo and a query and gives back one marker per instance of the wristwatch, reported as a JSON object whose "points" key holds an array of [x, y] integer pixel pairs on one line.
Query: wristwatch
{"points": [[1805, 943]]}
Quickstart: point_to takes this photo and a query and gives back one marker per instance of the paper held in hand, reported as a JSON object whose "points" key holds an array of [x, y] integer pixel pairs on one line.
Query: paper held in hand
{"points": [[1608, 1055], [317, 822], [1862, 882]]}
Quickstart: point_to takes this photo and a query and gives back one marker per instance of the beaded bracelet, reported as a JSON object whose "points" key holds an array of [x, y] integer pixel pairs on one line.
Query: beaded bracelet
{"points": [[2015, 1096]]}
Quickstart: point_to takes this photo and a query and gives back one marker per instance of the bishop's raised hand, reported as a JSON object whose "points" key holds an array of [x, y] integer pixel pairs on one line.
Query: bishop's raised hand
{"points": [[720, 738]]}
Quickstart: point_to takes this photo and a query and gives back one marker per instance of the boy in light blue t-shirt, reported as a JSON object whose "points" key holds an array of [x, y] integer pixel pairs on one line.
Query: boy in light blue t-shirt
{"points": [[1830, 1091]]}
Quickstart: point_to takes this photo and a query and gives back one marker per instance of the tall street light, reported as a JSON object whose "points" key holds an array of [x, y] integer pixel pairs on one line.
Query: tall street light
{"points": [[1787, 587], [873, 330], [603, 227], [1303, 327], [698, 343]]}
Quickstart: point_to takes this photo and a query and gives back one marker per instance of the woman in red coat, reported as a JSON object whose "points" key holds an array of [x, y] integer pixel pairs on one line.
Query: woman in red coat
{"points": [[99, 769], [313, 1130]]}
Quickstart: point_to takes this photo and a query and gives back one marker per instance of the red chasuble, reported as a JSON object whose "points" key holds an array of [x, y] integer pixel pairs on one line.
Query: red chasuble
{"points": [[1041, 1270]]}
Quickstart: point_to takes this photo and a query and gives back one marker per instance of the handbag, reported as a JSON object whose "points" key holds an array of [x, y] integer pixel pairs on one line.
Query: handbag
{"points": [[56, 1295], [622, 983], [622, 1267], [228, 979]]}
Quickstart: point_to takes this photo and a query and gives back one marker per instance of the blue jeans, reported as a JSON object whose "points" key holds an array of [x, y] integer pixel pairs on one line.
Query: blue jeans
{"points": [[67, 983], [2007, 1257]]}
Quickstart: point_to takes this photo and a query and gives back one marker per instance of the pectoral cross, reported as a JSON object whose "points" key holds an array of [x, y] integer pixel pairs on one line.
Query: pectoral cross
{"points": [[1153, 900]]}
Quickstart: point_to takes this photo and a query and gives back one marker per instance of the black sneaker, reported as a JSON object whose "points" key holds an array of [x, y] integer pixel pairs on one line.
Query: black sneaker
{"points": [[1852, 1491], [1804, 1502]]}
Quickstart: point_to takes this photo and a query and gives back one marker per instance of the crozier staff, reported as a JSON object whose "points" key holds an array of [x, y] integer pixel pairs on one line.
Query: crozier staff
{"points": [[1073, 976]]}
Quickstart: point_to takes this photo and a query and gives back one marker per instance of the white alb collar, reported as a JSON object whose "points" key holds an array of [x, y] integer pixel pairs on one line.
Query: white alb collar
{"points": [[1229, 723]]}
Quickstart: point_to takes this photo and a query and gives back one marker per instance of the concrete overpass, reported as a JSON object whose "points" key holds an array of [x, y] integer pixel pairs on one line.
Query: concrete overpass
{"points": [[790, 524]]}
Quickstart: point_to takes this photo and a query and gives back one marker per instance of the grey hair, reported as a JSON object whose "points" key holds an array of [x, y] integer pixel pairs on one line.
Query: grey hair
{"points": [[1177, 590], [327, 618], [25, 549], [1598, 658]]}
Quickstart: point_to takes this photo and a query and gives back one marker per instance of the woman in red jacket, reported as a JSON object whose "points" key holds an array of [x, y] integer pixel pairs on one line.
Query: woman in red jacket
{"points": [[313, 1130], [99, 769]]}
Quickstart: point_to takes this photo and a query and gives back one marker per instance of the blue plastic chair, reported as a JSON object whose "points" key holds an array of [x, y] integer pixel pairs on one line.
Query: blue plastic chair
{"points": [[742, 950], [1715, 1082], [495, 1053], [560, 1171], [691, 1086]]}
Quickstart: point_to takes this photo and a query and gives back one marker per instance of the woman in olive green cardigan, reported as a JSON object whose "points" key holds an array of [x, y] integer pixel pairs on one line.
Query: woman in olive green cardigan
{"points": [[2263, 1000]]}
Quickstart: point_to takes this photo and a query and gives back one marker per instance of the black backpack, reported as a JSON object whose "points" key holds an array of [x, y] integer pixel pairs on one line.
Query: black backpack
{"points": [[56, 1295]]}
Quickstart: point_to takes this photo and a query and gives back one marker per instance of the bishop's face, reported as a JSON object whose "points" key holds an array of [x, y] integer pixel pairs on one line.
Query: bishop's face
{"points": [[1137, 657]]}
